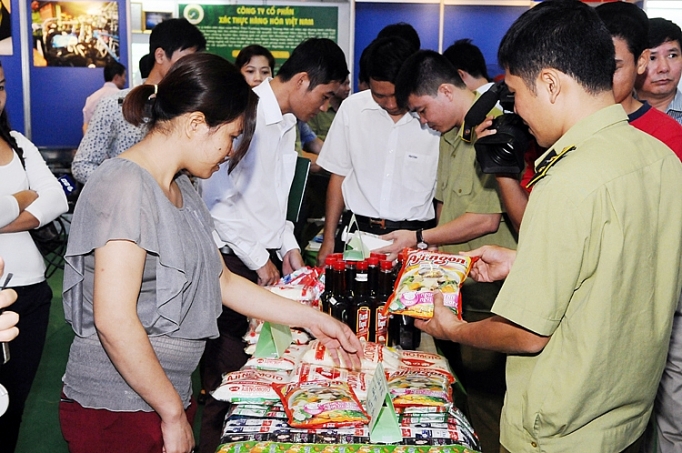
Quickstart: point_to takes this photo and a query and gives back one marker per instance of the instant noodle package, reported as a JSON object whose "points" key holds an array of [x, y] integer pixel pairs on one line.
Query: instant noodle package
{"points": [[302, 400], [321, 404], [423, 273]]}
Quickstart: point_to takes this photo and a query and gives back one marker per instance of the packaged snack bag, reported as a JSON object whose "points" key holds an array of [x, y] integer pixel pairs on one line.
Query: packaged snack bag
{"points": [[419, 388], [423, 273], [321, 404], [373, 353], [288, 362], [357, 380], [253, 386], [410, 360]]}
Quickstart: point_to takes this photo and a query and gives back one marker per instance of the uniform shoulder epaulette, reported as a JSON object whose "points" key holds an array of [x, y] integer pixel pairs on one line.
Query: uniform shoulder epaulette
{"points": [[547, 163]]}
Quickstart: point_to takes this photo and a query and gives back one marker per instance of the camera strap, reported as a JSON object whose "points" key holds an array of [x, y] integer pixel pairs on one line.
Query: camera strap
{"points": [[547, 163]]}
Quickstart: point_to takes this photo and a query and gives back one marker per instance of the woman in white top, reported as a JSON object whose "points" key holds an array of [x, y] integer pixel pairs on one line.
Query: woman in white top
{"points": [[30, 196]]}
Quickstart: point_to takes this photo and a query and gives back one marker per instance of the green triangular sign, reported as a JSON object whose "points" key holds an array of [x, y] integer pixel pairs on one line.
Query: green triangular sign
{"points": [[273, 340], [383, 425]]}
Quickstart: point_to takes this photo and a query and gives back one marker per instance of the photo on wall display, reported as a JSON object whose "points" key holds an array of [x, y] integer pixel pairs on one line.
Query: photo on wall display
{"points": [[152, 18], [75, 34], [5, 28]]}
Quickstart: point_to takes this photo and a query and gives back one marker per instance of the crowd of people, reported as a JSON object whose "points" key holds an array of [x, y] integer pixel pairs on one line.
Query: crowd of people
{"points": [[571, 334]]}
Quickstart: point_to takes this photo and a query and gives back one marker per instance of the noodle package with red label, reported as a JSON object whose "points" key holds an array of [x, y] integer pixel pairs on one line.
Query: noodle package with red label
{"points": [[423, 273]]}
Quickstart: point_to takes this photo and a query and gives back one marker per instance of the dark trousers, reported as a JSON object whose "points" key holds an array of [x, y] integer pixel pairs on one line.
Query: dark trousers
{"points": [[33, 305], [223, 355], [372, 228]]}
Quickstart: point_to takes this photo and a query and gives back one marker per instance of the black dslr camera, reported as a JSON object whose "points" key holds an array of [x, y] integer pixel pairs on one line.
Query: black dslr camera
{"points": [[501, 152]]}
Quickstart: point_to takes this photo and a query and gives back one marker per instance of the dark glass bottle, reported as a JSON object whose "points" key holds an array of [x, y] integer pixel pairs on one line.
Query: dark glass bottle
{"points": [[405, 333], [394, 320], [380, 322], [373, 277], [360, 309], [328, 282], [338, 306], [350, 276]]}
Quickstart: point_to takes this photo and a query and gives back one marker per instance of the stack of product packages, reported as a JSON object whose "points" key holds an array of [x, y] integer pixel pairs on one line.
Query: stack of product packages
{"points": [[301, 401]]}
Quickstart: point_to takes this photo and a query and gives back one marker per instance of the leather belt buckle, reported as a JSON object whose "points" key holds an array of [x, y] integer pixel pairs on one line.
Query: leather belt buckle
{"points": [[381, 223]]}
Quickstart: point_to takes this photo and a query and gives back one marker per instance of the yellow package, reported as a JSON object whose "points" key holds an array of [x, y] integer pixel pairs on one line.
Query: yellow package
{"points": [[423, 273]]}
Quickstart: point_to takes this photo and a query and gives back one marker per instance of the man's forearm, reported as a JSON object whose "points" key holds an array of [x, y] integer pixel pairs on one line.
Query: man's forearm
{"points": [[514, 197], [498, 334], [334, 207], [462, 229]]}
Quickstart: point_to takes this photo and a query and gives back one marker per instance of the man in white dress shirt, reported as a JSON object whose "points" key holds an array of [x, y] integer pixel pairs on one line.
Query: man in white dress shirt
{"points": [[382, 160], [114, 81], [249, 205]]}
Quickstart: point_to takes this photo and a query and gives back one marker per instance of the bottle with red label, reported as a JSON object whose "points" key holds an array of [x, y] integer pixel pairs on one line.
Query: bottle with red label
{"points": [[360, 313], [380, 322], [338, 306], [328, 282]]}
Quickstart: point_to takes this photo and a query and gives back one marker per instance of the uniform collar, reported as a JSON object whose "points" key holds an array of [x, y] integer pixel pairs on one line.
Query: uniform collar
{"points": [[575, 136]]}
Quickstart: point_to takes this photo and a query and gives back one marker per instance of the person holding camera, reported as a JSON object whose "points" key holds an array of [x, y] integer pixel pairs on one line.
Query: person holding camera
{"points": [[470, 214], [586, 308]]}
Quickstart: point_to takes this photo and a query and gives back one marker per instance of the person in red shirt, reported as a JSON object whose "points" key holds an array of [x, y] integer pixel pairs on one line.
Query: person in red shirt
{"points": [[629, 28]]}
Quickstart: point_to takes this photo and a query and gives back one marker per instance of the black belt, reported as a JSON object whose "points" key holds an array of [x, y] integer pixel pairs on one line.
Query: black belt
{"points": [[393, 225]]}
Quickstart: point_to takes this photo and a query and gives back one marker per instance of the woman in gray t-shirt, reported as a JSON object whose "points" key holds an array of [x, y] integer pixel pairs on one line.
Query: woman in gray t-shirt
{"points": [[144, 281]]}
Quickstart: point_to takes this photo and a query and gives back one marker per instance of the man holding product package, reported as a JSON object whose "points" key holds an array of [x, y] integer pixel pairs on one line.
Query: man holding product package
{"points": [[470, 214], [590, 294], [382, 160]]}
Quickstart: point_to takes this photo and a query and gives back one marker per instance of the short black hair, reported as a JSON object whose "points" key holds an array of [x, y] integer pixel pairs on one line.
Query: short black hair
{"points": [[402, 30], [385, 56], [254, 50], [566, 35], [663, 30], [422, 74], [145, 65], [175, 34], [113, 69], [321, 58], [362, 70], [467, 57], [628, 22]]}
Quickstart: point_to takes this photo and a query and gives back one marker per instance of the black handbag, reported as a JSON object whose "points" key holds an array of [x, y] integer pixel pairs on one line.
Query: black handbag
{"points": [[51, 240]]}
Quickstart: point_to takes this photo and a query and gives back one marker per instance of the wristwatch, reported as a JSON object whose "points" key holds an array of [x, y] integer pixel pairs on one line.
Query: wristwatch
{"points": [[421, 244]]}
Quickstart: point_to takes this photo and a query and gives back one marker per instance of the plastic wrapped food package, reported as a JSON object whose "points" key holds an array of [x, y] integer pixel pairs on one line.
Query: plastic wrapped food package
{"points": [[423, 273], [321, 404]]}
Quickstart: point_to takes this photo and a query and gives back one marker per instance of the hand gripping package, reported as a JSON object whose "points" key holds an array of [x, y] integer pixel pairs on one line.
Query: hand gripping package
{"points": [[423, 273]]}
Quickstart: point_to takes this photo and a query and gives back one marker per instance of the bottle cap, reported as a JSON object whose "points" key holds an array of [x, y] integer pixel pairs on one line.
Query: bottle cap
{"points": [[386, 265], [380, 256]]}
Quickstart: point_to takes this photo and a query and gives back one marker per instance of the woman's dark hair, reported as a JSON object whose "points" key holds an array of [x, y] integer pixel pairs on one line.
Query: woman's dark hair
{"points": [[199, 82], [254, 50], [5, 130]]}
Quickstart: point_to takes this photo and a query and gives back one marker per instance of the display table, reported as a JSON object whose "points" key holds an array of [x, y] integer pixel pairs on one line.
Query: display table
{"points": [[275, 447], [263, 426]]}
